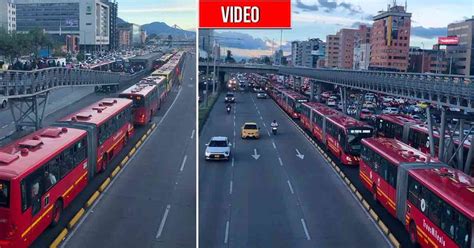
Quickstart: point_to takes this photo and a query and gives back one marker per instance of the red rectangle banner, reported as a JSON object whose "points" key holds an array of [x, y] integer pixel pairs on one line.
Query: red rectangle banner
{"points": [[245, 13]]}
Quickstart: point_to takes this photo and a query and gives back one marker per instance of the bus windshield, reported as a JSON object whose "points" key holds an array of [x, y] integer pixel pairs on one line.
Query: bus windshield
{"points": [[4, 194], [138, 101], [354, 136]]}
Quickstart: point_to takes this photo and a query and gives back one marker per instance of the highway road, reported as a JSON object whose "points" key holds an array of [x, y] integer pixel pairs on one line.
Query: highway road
{"points": [[152, 202], [277, 191]]}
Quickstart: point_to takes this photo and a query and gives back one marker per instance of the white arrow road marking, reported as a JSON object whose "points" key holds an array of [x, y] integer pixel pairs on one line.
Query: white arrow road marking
{"points": [[255, 155], [299, 155]]}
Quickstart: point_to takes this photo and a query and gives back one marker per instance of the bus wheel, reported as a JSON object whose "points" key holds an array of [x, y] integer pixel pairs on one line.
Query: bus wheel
{"points": [[125, 139], [413, 235], [57, 211], [151, 116], [4, 104], [374, 193]]}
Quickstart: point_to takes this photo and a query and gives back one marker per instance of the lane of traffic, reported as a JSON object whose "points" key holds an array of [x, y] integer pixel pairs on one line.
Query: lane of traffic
{"points": [[152, 193]]}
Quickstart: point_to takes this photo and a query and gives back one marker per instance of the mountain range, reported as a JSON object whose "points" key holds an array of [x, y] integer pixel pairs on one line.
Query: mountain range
{"points": [[162, 29]]}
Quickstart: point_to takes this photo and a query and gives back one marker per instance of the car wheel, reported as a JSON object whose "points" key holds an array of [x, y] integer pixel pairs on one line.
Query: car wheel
{"points": [[4, 104]]}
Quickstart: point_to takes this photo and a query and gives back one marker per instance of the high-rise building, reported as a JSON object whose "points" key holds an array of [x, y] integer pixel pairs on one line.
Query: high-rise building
{"points": [[346, 48], [206, 40], [114, 35], [88, 19], [462, 54], [307, 53], [332, 51], [7, 15], [390, 39], [361, 57], [130, 34], [424, 60]]}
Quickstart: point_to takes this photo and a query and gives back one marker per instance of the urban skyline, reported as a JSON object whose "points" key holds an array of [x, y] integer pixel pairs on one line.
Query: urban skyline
{"points": [[324, 18]]}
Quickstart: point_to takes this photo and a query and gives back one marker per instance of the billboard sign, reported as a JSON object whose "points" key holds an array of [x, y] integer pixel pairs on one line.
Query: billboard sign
{"points": [[448, 40]]}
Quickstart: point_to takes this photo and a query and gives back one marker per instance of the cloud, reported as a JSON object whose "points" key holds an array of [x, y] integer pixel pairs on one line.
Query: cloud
{"points": [[357, 24], [240, 40], [428, 33], [328, 6]]}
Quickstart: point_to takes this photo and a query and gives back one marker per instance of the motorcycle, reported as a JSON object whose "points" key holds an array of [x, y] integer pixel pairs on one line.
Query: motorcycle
{"points": [[228, 110], [274, 130]]}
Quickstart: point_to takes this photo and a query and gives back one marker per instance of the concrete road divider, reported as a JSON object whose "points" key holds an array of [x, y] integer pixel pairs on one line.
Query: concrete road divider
{"points": [[76, 218], [394, 241], [59, 238], [104, 185], [374, 215], [383, 227], [92, 199], [115, 171]]}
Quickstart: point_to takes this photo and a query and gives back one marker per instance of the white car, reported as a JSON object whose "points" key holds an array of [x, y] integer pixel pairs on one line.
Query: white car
{"points": [[261, 94], [390, 110], [218, 149], [331, 102]]}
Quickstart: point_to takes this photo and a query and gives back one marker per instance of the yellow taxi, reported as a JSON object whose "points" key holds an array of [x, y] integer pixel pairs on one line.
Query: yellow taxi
{"points": [[250, 130]]}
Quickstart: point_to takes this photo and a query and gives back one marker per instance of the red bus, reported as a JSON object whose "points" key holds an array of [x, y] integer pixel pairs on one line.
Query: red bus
{"points": [[40, 175], [146, 102], [160, 82], [433, 201], [291, 102], [343, 135], [109, 123], [313, 116], [394, 126]]}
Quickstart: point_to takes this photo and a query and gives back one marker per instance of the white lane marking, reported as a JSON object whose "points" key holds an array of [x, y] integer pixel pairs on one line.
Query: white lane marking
{"points": [[305, 229], [230, 187], [4, 126], [261, 118], [265, 125], [232, 161], [274, 146], [226, 237], [291, 187], [234, 133], [258, 111], [163, 221], [281, 162], [71, 233], [182, 164], [192, 134], [268, 132]]}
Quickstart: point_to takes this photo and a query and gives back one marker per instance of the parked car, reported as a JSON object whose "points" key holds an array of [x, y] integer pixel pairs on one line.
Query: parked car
{"points": [[390, 110], [331, 102], [369, 105], [3, 102], [366, 114]]}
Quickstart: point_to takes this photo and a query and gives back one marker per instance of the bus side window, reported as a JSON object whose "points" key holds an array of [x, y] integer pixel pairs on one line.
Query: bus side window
{"points": [[463, 230], [414, 191], [434, 209]]}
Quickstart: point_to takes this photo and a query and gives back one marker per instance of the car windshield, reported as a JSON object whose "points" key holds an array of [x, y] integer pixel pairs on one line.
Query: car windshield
{"points": [[354, 137], [250, 126], [229, 95], [218, 143], [4, 194]]}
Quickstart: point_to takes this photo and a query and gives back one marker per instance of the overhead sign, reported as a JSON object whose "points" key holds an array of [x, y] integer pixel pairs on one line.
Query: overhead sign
{"points": [[245, 14], [449, 40]]}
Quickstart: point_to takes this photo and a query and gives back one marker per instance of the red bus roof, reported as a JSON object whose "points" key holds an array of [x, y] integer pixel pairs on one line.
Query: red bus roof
{"points": [[451, 185], [23, 155], [424, 129], [293, 94], [100, 112], [399, 119], [154, 79], [396, 151], [140, 89], [345, 121]]}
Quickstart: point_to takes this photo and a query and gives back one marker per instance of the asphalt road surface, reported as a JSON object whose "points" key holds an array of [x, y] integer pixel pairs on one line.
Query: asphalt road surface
{"points": [[277, 191], [152, 202]]}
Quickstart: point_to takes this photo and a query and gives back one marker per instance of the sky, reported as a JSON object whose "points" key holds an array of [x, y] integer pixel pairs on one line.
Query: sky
{"points": [[318, 18], [180, 12]]}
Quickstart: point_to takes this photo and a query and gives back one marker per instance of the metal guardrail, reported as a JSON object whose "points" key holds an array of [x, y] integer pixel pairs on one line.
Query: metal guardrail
{"points": [[18, 84], [445, 90]]}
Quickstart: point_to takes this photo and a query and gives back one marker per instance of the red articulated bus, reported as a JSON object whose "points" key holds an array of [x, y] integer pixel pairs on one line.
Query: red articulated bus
{"points": [[291, 102], [160, 82], [340, 133], [434, 201], [146, 102], [109, 124], [40, 175], [394, 126]]}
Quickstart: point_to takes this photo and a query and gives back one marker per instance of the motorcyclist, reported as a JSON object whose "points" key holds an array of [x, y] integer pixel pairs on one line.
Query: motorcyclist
{"points": [[274, 123], [228, 107]]}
